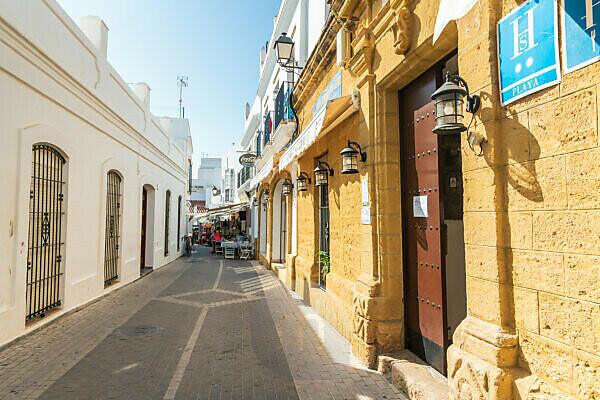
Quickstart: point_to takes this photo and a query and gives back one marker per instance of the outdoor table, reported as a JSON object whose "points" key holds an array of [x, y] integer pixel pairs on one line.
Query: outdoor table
{"points": [[229, 249]]}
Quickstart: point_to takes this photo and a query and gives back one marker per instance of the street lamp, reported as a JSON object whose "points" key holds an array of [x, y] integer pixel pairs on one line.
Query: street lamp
{"points": [[286, 187], [285, 49], [449, 101], [302, 182], [322, 173], [284, 46], [350, 158]]}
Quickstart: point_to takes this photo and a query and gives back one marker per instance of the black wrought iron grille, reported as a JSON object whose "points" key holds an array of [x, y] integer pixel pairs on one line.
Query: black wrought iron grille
{"points": [[45, 246], [167, 212], [178, 223], [323, 230], [112, 237], [283, 229]]}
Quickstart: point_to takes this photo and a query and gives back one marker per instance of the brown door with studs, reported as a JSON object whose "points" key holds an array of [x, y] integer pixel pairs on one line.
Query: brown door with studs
{"points": [[425, 312]]}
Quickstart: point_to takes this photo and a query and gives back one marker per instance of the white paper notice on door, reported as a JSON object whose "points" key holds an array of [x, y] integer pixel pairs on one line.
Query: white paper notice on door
{"points": [[365, 215], [420, 206]]}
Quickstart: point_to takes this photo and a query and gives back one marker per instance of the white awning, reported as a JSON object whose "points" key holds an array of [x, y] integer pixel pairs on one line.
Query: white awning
{"points": [[450, 10], [323, 122]]}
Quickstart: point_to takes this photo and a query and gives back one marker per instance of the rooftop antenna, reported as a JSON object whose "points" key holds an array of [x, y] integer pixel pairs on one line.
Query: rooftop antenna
{"points": [[182, 81]]}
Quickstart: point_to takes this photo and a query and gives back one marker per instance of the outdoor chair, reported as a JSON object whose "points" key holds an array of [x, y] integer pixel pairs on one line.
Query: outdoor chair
{"points": [[218, 248], [229, 251], [245, 250]]}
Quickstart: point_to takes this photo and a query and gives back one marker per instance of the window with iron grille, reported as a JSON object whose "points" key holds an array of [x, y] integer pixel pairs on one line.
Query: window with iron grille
{"points": [[112, 235], [268, 127], [283, 229], [283, 110], [45, 238], [323, 232], [178, 223], [167, 212]]}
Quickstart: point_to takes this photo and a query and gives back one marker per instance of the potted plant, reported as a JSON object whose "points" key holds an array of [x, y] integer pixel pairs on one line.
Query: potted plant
{"points": [[324, 263]]}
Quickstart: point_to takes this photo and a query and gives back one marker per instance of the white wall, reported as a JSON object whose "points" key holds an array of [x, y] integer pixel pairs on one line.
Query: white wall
{"points": [[59, 89], [209, 172]]}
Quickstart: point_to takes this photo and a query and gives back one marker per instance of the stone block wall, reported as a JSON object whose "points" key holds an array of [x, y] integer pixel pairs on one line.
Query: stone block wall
{"points": [[532, 221]]}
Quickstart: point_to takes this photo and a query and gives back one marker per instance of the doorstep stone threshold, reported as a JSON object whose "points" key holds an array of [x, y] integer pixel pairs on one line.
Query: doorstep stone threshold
{"points": [[418, 380], [277, 265]]}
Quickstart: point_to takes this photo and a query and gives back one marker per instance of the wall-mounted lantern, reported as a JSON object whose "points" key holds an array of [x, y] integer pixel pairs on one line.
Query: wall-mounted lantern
{"points": [[322, 173], [449, 103], [286, 187], [215, 191], [302, 182], [255, 202], [350, 158]]}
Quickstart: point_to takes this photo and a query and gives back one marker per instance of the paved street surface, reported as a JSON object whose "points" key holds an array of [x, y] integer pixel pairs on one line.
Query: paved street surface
{"points": [[200, 328]]}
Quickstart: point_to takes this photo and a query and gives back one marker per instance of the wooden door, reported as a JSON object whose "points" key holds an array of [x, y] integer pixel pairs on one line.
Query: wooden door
{"points": [[422, 223]]}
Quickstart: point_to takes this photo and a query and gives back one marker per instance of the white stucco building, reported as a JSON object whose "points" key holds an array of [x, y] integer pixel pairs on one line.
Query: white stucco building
{"points": [[210, 174], [94, 186], [270, 122]]}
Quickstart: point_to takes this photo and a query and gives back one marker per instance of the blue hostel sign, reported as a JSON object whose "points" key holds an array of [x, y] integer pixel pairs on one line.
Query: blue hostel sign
{"points": [[581, 44], [528, 50]]}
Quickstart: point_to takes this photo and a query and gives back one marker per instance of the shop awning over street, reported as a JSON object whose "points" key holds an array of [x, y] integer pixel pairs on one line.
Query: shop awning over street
{"points": [[329, 117], [225, 211]]}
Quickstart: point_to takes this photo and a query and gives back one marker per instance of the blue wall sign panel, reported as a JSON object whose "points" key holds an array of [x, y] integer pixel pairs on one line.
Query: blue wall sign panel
{"points": [[581, 38], [332, 91], [528, 50]]}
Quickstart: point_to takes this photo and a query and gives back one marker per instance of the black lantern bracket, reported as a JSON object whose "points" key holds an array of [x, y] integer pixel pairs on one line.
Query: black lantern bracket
{"points": [[473, 101], [326, 166], [472, 105], [356, 146]]}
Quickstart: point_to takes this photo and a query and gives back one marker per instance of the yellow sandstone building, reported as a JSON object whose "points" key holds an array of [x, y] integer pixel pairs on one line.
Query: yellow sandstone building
{"points": [[478, 252]]}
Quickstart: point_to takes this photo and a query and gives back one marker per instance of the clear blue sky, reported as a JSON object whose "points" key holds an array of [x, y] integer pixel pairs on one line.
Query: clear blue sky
{"points": [[215, 43]]}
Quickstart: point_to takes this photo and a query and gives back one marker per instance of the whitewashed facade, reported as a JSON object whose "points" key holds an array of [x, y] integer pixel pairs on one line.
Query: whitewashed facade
{"points": [[303, 21], [58, 91]]}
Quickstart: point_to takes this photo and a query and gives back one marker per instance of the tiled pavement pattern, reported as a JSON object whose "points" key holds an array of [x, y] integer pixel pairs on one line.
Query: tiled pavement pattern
{"points": [[205, 329]]}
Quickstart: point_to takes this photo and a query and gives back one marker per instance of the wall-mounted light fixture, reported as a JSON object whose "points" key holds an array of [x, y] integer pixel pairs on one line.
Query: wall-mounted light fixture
{"points": [[215, 191], [350, 158], [265, 196], [302, 182], [255, 202], [284, 46], [286, 187], [322, 173], [449, 103], [449, 117]]}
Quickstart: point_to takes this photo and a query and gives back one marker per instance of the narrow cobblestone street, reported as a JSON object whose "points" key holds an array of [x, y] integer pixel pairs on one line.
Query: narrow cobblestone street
{"points": [[200, 328]]}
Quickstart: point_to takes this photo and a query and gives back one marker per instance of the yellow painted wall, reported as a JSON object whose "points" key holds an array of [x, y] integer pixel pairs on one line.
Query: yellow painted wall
{"points": [[531, 203]]}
